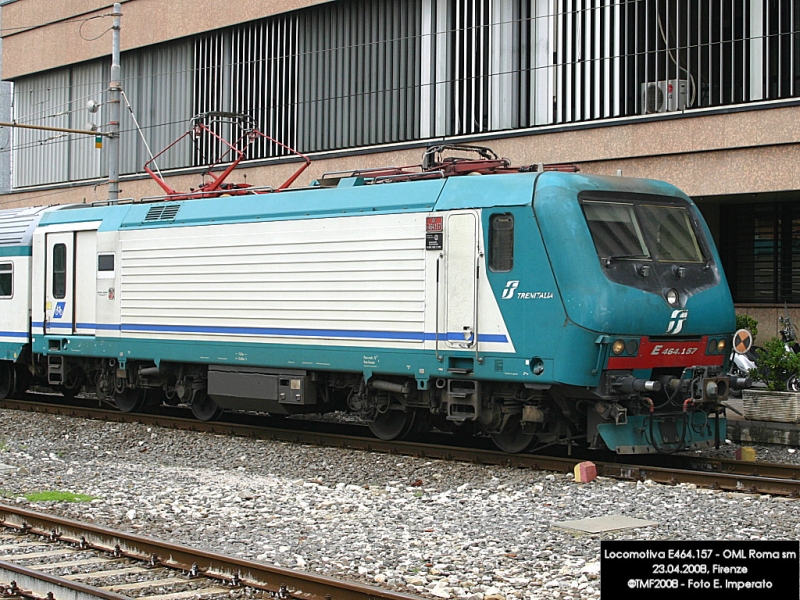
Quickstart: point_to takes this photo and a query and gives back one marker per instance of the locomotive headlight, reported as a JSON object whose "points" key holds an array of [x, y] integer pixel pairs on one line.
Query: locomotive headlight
{"points": [[618, 347], [672, 297], [721, 346]]}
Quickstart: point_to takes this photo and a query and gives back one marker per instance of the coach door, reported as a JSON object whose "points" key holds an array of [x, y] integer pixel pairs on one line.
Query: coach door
{"points": [[461, 282], [69, 292]]}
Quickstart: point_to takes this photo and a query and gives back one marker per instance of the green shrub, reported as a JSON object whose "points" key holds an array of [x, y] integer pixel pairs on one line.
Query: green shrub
{"points": [[775, 365], [747, 322]]}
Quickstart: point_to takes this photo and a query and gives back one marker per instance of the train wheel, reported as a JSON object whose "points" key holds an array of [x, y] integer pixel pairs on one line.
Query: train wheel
{"points": [[512, 438], [72, 385], [23, 380], [204, 408], [392, 424], [129, 401], [7, 380]]}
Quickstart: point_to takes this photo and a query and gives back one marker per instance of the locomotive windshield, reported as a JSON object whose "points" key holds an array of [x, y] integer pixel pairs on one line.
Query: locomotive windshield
{"points": [[626, 230]]}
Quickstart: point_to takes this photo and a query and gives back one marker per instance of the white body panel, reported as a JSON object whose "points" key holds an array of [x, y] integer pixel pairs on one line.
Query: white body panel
{"points": [[59, 283], [346, 281], [70, 307], [14, 311], [461, 282], [106, 287], [85, 278]]}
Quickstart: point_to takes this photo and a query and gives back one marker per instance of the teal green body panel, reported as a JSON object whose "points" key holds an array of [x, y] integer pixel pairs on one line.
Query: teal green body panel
{"points": [[593, 304], [110, 217], [634, 436], [411, 362], [487, 191], [313, 203], [15, 251], [590, 298], [11, 350], [532, 304]]}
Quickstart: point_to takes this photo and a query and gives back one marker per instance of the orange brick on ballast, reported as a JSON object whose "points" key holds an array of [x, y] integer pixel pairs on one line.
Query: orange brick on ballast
{"points": [[585, 472]]}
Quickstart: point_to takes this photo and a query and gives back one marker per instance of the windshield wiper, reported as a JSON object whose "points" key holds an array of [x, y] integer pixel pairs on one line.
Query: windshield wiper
{"points": [[610, 259]]}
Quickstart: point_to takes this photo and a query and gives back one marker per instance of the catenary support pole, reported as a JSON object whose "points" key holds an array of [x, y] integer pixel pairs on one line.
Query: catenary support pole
{"points": [[114, 108]]}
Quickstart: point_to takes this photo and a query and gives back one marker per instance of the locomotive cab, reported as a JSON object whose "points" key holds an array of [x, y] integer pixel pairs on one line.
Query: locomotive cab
{"points": [[645, 280]]}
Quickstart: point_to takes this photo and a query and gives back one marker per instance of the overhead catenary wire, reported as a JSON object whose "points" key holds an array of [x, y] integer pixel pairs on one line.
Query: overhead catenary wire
{"points": [[141, 133]]}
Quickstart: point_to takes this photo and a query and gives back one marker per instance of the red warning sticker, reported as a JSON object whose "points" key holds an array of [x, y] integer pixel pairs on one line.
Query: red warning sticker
{"points": [[434, 224]]}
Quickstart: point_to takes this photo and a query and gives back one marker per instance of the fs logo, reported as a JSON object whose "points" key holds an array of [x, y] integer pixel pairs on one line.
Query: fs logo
{"points": [[676, 321], [511, 287]]}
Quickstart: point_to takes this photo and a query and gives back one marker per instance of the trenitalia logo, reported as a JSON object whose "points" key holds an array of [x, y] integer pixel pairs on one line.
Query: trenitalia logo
{"points": [[676, 321], [511, 287], [511, 291]]}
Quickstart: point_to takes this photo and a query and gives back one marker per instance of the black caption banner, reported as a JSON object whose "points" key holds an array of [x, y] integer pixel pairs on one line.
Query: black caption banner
{"points": [[715, 570]]}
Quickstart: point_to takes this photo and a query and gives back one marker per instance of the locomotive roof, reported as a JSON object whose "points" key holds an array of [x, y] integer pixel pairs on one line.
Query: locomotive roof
{"points": [[17, 225], [352, 196]]}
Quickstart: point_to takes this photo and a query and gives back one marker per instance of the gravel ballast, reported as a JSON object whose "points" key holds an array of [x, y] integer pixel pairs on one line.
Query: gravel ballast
{"points": [[432, 528]]}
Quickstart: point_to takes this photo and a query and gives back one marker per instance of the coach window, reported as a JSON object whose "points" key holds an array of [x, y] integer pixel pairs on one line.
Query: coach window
{"points": [[501, 242], [105, 266], [59, 271], [6, 280]]}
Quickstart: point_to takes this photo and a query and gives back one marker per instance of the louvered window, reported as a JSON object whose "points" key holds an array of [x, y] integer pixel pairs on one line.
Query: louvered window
{"points": [[761, 252], [357, 73]]}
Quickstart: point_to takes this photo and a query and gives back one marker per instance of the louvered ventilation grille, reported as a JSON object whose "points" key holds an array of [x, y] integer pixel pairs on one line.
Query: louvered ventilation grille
{"points": [[162, 213]]}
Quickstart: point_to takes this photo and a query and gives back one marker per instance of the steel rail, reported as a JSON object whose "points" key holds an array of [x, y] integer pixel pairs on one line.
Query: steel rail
{"points": [[740, 467], [763, 478], [283, 582], [32, 584]]}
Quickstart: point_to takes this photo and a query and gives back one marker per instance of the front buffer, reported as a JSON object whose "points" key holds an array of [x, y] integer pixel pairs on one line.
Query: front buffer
{"points": [[661, 402]]}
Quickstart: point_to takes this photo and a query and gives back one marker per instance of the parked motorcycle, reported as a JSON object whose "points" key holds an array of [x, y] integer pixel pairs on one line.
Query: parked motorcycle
{"points": [[789, 338], [745, 357]]}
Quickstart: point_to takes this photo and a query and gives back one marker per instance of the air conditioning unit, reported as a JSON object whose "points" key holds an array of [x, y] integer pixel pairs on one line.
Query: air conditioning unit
{"points": [[663, 96]]}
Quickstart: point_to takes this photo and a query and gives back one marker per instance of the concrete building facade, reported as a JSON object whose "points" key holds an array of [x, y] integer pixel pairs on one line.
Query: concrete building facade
{"points": [[703, 94]]}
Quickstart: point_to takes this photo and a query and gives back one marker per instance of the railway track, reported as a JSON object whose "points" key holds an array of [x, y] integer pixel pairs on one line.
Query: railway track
{"points": [[739, 476], [44, 554]]}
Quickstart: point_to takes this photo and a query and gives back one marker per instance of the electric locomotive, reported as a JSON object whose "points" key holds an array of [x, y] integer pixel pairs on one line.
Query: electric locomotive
{"points": [[531, 305]]}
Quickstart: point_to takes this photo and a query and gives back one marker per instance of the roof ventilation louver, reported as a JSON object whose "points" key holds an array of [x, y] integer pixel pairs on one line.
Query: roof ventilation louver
{"points": [[162, 213]]}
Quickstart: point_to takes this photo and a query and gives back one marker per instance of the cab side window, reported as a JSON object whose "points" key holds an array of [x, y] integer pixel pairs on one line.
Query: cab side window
{"points": [[501, 242], [6, 280], [59, 271]]}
